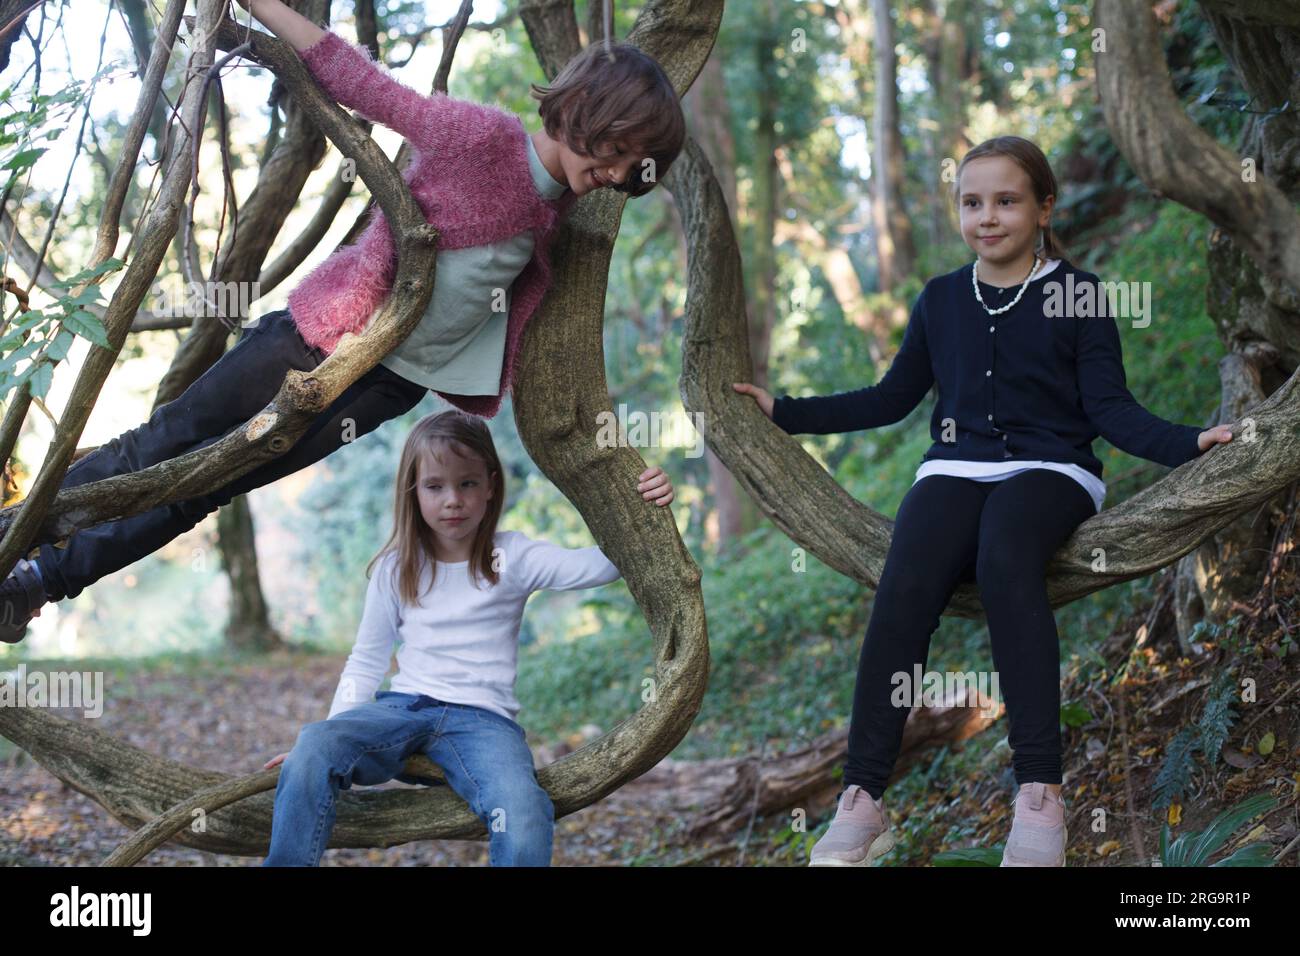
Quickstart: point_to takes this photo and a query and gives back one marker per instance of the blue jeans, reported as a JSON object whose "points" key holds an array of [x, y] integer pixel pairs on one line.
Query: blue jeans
{"points": [[236, 387], [482, 753]]}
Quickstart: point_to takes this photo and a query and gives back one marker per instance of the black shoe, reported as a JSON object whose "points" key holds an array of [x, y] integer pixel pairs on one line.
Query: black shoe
{"points": [[21, 597]]}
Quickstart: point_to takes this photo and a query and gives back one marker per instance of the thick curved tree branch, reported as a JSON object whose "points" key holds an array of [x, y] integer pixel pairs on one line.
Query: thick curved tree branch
{"points": [[1174, 156], [20, 532], [1149, 531], [302, 396], [560, 391], [261, 217], [107, 234]]}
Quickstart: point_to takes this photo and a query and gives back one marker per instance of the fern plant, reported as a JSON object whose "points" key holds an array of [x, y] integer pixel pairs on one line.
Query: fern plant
{"points": [[1175, 772], [1207, 735], [1218, 717], [1193, 849]]}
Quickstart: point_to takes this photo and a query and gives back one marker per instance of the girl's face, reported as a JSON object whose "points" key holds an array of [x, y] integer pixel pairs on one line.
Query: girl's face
{"points": [[1000, 218], [453, 494], [587, 173]]}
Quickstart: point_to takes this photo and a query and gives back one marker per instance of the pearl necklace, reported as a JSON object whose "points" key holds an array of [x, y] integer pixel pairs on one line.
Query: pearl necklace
{"points": [[974, 281]]}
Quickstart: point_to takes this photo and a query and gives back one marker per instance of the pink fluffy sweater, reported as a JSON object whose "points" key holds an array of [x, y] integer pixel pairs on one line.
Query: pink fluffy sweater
{"points": [[469, 172]]}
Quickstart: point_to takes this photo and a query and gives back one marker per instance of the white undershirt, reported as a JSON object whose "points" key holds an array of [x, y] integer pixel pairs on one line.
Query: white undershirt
{"points": [[998, 470]]}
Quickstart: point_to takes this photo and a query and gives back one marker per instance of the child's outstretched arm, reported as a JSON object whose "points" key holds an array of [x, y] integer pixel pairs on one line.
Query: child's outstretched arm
{"points": [[432, 123], [1118, 416], [909, 378], [286, 23], [539, 565]]}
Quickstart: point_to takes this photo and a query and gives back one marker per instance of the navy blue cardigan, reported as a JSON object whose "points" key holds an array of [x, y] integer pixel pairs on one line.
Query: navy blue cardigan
{"points": [[1021, 385]]}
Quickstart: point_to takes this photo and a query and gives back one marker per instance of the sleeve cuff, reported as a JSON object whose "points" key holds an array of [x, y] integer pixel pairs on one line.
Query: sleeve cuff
{"points": [[781, 413]]}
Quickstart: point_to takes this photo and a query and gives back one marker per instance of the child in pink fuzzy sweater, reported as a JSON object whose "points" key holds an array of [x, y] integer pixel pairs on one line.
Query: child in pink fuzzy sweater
{"points": [[496, 195]]}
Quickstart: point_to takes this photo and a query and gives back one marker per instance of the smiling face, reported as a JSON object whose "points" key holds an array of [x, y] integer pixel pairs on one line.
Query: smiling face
{"points": [[612, 166], [453, 492], [1000, 216]]}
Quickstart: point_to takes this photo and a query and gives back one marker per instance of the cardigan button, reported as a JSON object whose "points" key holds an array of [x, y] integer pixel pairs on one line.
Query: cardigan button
{"points": [[990, 328], [990, 418], [988, 373]]}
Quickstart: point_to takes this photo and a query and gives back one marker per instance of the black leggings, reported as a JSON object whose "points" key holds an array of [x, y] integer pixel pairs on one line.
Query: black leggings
{"points": [[237, 386], [951, 530]]}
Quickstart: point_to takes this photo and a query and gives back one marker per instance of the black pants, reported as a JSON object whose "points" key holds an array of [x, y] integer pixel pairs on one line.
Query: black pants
{"points": [[229, 393], [1000, 534]]}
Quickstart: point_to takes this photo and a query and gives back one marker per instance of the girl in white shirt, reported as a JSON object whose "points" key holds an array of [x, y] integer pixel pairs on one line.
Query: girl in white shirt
{"points": [[450, 589]]}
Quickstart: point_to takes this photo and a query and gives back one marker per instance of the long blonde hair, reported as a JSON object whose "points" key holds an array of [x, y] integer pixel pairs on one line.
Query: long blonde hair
{"points": [[412, 539]]}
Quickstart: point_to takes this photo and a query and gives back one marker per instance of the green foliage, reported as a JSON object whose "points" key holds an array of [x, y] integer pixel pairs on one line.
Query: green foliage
{"points": [[1195, 848], [1218, 717], [45, 118], [1076, 714], [1175, 773], [44, 338], [1207, 735], [969, 856]]}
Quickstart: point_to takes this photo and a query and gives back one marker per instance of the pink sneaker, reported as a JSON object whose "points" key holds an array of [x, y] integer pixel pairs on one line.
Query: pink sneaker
{"points": [[858, 835], [1037, 830]]}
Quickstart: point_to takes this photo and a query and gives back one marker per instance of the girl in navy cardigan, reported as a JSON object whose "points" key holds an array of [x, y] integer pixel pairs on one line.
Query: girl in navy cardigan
{"points": [[1026, 354]]}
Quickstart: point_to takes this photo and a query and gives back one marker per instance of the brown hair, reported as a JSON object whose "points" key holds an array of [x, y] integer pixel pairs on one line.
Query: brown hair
{"points": [[607, 95], [412, 539], [1029, 158]]}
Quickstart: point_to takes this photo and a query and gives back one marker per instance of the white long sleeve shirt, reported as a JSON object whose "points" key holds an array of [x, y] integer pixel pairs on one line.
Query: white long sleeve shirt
{"points": [[460, 643]]}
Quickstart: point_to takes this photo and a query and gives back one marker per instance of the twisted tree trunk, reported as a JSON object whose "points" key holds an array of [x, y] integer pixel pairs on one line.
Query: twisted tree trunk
{"points": [[1254, 241], [559, 393]]}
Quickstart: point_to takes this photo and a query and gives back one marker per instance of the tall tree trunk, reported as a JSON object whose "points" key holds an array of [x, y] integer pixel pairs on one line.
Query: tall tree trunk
{"points": [[895, 250], [950, 66], [248, 626], [1259, 320], [708, 117], [1254, 256], [761, 274]]}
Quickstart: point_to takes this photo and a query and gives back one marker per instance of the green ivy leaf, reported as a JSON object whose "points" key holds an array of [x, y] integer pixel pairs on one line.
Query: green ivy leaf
{"points": [[26, 350], [1075, 714], [88, 327], [970, 856], [23, 159], [58, 349], [41, 379], [85, 275]]}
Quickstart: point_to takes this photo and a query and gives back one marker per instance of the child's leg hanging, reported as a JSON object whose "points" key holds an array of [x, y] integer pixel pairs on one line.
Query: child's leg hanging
{"points": [[488, 763], [1026, 519], [375, 398], [933, 546]]}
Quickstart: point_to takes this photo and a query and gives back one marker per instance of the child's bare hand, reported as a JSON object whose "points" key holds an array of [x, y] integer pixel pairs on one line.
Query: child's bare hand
{"points": [[655, 486], [763, 399], [274, 762], [1218, 435]]}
